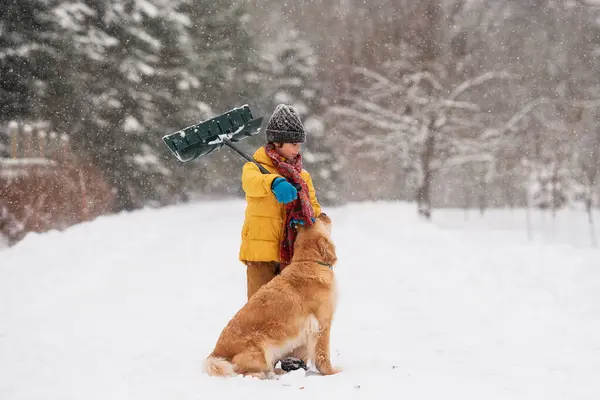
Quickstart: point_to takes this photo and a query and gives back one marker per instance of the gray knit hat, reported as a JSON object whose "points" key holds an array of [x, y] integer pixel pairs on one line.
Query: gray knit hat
{"points": [[285, 126]]}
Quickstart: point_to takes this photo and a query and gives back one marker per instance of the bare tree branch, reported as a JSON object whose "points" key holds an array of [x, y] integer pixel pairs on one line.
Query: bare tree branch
{"points": [[479, 80], [376, 122]]}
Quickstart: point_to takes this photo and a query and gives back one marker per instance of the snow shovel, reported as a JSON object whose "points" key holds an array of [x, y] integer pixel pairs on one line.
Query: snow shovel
{"points": [[205, 137]]}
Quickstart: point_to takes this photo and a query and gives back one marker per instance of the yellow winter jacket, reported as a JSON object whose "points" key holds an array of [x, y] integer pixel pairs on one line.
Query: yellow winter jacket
{"points": [[263, 225]]}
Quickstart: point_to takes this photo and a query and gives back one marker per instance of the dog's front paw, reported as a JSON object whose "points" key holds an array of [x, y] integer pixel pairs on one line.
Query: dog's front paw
{"points": [[331, 370], [337, 370]]}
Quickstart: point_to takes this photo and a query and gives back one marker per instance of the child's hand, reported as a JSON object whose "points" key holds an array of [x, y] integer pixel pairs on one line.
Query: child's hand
{"points": [[284, 191]]}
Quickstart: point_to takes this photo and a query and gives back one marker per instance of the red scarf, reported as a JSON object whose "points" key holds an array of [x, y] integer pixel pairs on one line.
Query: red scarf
{"points": [[299, 209]]}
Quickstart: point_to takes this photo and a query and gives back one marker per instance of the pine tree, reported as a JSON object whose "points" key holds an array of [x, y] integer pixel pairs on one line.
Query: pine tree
{"points": [[133, 80], [114, 72]]}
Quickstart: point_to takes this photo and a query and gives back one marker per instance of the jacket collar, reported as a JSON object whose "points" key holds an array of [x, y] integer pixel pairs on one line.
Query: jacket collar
{"points": [[260, 155]]}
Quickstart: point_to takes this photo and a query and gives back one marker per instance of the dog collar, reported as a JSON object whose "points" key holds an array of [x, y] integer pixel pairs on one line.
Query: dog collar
{"points": [[325, 264]]}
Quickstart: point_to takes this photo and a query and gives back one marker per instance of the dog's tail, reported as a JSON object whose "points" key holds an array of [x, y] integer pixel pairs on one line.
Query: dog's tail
{"points": [[218, 366]]}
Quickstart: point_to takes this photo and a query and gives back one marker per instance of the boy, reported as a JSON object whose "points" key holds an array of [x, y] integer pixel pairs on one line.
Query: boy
{"points": [[274, 203]]}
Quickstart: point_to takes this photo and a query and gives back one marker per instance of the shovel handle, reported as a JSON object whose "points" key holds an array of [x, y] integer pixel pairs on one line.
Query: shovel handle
{"points": [[232, 146]]}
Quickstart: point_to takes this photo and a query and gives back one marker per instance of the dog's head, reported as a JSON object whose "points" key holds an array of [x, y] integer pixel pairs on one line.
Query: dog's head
{"points": [[324, 218], [314, 242]]}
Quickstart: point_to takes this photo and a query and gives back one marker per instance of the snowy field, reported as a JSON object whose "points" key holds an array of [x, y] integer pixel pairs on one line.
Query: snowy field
{"points": [[128, 307]]}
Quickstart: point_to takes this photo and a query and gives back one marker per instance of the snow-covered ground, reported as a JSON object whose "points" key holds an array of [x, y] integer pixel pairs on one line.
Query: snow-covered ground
{"points": [[569, 227], [128, 307]]}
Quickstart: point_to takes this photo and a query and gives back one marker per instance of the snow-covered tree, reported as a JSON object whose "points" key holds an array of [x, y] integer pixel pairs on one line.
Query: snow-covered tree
{"points": [[115, 70], [143, 69], [419, 119]]}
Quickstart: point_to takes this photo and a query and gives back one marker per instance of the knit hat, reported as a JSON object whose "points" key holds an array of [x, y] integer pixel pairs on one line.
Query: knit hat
{"points": [[285, 126]]}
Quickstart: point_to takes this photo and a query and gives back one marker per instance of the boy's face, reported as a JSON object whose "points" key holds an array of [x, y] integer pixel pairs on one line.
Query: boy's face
{"points": [[289, 150]]}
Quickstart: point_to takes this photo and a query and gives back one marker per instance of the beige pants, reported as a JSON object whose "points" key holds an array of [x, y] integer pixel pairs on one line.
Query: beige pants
{"points": [[259, 273]]}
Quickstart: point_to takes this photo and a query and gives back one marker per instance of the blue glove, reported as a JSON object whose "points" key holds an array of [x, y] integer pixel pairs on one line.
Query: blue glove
{"points": [[284, 191]]}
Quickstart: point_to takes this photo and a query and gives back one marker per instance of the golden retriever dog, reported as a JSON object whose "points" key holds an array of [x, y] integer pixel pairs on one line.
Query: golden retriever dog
{"points": [[289, 316]]}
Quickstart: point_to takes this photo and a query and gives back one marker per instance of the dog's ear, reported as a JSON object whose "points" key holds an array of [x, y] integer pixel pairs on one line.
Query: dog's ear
{"points": [[326, 250]]}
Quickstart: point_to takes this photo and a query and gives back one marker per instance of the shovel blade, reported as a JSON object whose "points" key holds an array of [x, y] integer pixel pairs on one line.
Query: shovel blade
{"points": [[205, 137]]}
